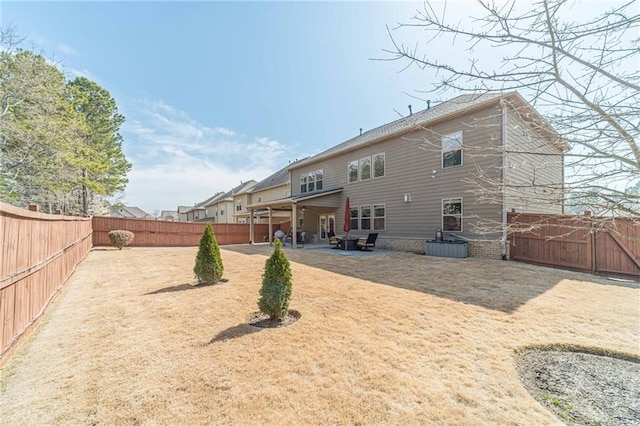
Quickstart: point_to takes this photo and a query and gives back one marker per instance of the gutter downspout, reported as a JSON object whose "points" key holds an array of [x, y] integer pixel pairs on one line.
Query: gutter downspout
{"points": [[503, 239]]}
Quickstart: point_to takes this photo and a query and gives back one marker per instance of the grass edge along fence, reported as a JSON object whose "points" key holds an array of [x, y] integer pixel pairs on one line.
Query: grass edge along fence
{"points": [[160, 233], [38, 254]]}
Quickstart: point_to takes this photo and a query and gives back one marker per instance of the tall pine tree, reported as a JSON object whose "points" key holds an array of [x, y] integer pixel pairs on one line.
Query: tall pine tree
{"points": [[102, 166]]}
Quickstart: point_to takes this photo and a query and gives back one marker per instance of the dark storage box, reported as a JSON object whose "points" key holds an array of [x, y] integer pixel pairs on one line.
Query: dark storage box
{"points": [[457, 249]]}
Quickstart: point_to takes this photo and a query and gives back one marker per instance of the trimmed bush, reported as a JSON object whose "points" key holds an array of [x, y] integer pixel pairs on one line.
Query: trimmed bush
{"points": [[208, 267], [120, 238], [275, 293]]}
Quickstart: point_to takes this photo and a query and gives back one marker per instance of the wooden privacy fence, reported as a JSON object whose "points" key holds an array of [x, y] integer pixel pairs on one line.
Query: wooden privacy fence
{"points": [[38, 253], [598, 245], [159, 233]]}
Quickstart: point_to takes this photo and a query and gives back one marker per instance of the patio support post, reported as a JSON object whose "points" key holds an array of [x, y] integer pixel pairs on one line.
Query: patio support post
{"points": [[251, 227], [294, 225], [270, 226]]}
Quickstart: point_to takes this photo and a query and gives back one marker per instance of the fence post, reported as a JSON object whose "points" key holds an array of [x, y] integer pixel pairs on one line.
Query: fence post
{"points": [[34, 207], [591, 242]]}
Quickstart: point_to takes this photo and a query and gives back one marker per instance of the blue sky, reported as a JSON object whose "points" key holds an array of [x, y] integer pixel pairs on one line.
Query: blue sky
{"points": [[215, 92]]}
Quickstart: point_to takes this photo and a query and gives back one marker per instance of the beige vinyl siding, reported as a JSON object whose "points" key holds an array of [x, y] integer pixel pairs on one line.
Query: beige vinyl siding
{"points": [[534, 174], [409, 161], [275, 193]]}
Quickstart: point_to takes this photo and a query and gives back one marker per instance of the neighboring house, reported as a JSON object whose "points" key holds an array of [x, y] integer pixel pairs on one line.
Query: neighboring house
{"points": [[212, 209], [226, 206], [169, 215], [198, 213], [413, 176], [182, 213], [131, 212], [274, 187]]}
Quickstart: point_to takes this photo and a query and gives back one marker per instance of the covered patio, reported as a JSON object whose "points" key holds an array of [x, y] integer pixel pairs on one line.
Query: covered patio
{"points": [[305, 213]]}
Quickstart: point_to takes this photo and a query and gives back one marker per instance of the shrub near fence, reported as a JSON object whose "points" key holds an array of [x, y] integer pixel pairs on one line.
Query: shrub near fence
{"points": [[160, 233], [38, 253]]}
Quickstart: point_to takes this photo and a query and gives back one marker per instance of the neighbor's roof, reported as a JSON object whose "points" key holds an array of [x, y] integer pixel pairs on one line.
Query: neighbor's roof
{"points": [[278, 178], [438, 112], [136, 212], [202, 204]]}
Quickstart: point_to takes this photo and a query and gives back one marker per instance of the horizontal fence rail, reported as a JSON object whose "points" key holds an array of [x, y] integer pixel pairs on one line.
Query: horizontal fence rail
{"points": [[598, 245], [159, 233], [38, 253]]}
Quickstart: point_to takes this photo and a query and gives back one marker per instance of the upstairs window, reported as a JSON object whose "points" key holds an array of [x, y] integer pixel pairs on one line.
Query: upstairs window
{"points": [[303, 183], [239, 206], [365, 168], [378, 165], [352, 172], [319, 178], [452, 150], [311, 181]]}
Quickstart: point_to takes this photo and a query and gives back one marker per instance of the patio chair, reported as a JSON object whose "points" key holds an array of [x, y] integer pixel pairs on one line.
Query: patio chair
{"points": [[365, 243], [302, 238], [333, 240]]}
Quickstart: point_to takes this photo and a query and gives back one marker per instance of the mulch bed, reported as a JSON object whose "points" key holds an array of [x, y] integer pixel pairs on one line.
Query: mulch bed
{"points": [[261, 320], [583, 388]]}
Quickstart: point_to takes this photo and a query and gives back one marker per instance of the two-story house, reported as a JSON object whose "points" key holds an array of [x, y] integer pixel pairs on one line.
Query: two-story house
{"points": [[222, 207], [198, 213], [274, 187], [457, 167]]}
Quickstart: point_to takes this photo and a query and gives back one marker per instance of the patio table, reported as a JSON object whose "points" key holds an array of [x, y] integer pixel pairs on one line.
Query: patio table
{"points": [[351, 243]]}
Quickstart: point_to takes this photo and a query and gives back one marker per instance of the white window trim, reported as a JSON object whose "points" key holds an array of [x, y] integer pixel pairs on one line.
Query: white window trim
{"points": [[314, 176], [321, 171], [374, 217], [370, 217], [442, 200], [360, 178], [349, 172], [384, 161], [306, 187], [358, 217], [442, 151]]}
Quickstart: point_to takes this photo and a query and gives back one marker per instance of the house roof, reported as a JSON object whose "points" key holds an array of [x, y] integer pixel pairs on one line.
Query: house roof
{"points": [[219, 196], [183, 209], [202, 204], [135, 212], [244, 187], [280, 177], [438, 112]]}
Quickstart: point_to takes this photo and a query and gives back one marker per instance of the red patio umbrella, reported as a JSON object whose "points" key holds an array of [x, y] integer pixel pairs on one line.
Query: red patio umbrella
{"points": [[347, 221]]}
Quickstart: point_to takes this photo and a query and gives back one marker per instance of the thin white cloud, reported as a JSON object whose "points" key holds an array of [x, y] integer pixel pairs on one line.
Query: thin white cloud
{"points": [[66, 49], [75, 72], [179, 161]]}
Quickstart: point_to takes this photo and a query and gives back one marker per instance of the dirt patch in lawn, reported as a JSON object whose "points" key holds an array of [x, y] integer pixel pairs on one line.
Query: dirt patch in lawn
{"points": [[583, 386], [391, 339]]}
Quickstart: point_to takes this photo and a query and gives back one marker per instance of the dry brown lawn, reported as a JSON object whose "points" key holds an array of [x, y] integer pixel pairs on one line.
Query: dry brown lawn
{"points": [[389, 339]]}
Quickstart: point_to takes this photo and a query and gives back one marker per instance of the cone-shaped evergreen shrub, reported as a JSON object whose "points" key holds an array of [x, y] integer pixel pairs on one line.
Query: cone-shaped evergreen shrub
{"points": [[208, 267], [275, 293]]}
